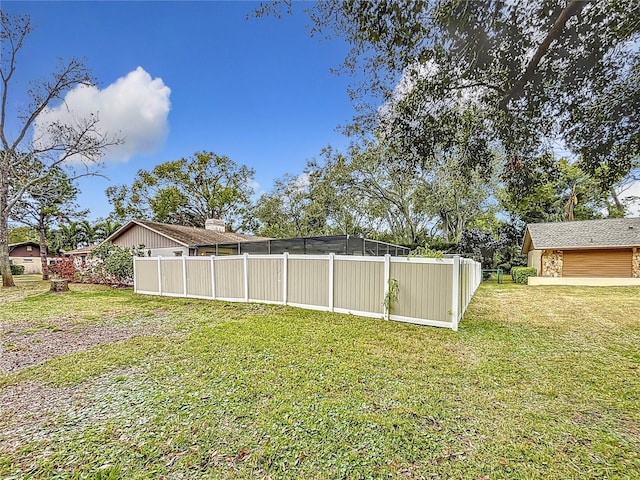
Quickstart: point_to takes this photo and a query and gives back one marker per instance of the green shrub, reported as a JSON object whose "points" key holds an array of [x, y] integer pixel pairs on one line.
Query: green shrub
{"points": [[520, 274], [17, 269], [392, 295], [114, 264], [425, 252]]}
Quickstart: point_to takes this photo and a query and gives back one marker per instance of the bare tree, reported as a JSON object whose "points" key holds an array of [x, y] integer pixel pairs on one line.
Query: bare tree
{"points": [[76, 146]]}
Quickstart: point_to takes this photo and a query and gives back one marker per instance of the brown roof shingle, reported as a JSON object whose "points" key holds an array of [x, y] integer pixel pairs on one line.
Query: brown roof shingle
{"points": [[194, 236], [188, 236]]}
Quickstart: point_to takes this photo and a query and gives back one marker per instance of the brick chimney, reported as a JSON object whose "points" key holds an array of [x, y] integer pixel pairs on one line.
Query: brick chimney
{"points": [[215, 225]]}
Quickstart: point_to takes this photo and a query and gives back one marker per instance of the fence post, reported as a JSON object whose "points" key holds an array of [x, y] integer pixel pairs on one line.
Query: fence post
{"points": [[331, 260], [455, 292], [284, 277], [159, 277], [135, 288], [246, 277], [184, 276], [387, 275], [213, 277]]}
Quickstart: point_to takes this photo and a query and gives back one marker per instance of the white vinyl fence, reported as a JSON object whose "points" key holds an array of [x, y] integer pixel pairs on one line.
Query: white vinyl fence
{"points": [[431, 291]]}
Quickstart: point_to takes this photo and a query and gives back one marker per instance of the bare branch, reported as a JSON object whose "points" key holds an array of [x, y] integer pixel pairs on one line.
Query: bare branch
{"points": [[13, 31], [66, 78], [56, 146], [573, 8]]}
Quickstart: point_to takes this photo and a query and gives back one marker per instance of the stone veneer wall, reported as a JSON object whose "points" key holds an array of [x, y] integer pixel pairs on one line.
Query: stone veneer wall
{"points": [[635, 269], [552, 263]]}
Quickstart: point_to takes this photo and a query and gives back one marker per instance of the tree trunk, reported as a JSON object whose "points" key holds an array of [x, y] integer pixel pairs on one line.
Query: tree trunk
{"points": [[616, 200], [43, 249], [444, 218], [5, 268], [59, 286]]}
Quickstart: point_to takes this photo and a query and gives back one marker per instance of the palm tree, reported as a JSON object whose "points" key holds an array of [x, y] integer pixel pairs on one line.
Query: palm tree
{"points": [[70, 235], [55, 241], [86, 233], [106, 228]]}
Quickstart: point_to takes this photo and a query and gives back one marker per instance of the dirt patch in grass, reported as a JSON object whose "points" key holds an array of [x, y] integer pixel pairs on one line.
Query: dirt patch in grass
{"points": [[22, 346]]}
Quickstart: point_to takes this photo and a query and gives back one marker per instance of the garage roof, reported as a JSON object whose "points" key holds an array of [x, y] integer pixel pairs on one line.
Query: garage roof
{"points": [[607, 233]]}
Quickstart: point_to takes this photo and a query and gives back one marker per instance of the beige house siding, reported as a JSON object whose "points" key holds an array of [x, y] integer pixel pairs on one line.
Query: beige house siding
{"points": [[168, 252], [137, 236], [534, 259], [32, 265]]}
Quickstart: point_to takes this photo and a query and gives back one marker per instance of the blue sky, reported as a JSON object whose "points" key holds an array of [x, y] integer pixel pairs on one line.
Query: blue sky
{"points": [[259, 91]]}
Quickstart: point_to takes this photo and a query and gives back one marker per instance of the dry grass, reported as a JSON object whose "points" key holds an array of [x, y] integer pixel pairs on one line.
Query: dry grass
{"points": [[593, 309]]}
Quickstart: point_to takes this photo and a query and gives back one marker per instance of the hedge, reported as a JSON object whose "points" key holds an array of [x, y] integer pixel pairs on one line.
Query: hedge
{"points": [[17, 269], [520, 274]]}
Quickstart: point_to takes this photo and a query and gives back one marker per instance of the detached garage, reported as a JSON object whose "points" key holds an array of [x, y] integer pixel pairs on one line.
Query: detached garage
{"points": [[589, 252]]}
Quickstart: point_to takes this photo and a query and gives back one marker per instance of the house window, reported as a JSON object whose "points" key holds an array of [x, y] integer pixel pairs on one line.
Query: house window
{"points": [[27, 260], [177, 253]]}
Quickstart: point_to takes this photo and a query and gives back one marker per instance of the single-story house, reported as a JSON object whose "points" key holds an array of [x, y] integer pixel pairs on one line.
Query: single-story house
{"points": [[578, 252], [162, 239], [26, 254], [80, 256]]}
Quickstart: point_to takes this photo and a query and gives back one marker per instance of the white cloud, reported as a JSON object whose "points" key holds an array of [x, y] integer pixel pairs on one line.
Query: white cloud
{"points": [[631, 195], [134, 108], [255, 186], [301, 182]]}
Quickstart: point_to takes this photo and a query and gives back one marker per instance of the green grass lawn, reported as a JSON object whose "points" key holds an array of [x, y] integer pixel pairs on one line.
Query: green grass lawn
{"points": [[540, 382]]}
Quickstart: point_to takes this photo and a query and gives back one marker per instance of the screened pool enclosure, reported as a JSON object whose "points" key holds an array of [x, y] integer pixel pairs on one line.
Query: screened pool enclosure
{"points": [[338, 244]]}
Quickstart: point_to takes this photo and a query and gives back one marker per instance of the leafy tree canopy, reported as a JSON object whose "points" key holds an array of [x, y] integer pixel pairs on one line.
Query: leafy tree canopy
{"points": [[23, 234], [553, 190], [538, 72], [316, 202], [187, 192]]}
